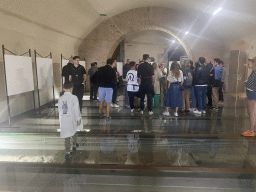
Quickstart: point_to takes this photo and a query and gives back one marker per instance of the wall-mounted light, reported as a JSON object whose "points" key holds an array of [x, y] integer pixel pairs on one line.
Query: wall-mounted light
{"points": [[217, 11]]}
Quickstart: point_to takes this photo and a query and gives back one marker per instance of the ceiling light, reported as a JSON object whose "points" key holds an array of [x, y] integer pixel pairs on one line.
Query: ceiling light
{"points": [[173, 41], [187, 33], [217, 11]]}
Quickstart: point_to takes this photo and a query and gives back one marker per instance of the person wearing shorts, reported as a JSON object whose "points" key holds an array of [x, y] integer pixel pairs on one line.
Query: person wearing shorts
{"points": [[106, 79]]}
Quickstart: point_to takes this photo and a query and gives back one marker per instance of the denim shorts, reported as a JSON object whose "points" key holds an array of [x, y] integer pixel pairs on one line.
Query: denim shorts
{"points": [[251, 95], [105, 93]]}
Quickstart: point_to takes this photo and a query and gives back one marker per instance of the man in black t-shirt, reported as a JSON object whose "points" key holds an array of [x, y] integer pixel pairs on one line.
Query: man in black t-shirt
{"points": [[66, 70], [107, 79], [78, 77], [146, 74]]}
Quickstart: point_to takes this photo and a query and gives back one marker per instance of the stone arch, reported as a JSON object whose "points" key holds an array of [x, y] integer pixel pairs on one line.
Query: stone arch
{"points": [[102, 41]]}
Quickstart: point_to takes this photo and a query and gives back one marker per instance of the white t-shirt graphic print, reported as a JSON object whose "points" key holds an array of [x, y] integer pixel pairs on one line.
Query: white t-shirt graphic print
{"points": [[132, 81]]}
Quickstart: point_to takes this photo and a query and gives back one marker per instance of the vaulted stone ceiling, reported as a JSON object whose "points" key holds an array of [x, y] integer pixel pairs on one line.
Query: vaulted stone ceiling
{"points": [[77, 18]]}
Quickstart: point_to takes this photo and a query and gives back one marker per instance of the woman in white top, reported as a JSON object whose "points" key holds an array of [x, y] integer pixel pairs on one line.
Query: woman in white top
{"points": [[173, 97]]}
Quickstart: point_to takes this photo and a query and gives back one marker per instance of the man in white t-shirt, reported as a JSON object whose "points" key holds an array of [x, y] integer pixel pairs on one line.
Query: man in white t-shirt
{"points": [[132, 84]]}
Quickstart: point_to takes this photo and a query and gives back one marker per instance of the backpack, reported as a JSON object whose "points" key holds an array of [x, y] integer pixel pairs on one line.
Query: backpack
{"points": [[188, 78]]}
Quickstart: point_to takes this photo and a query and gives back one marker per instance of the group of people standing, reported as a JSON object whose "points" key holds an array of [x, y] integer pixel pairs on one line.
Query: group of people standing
{"points": [[184, 81], [195, 80], [138, 83]]}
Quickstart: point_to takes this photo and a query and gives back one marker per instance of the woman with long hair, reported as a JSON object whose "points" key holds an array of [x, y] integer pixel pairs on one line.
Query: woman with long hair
{"points": [[173, 97], [250, 85]]}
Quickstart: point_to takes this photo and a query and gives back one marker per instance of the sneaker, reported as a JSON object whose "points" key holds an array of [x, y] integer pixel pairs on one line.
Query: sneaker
{"points": [[166, 113], [176, 114], [68, 155], [248, 134], [132, 110], [115, 105], [111, 105], [197, 112], [204, 111], [150, 113], [141, 112]]}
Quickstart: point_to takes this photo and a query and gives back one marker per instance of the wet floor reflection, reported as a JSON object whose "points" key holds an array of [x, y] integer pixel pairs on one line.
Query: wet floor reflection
{"points": [[211, 140]]}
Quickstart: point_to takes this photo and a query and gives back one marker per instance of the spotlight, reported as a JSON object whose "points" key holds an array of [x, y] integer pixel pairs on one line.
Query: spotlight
{"points": [[217, 11], [187, 33]]}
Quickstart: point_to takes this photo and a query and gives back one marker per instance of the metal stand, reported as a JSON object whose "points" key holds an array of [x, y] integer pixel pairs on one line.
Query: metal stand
{"points": [[38, 92], [6, 88], [8, 103]]}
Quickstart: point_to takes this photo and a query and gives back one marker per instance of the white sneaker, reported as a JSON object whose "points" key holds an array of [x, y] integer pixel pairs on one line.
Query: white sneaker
{"points": [[197, 112], [141, 112], [150, 113], [204, 111], [132, 110], [166, 113], [176, 114], [111, 105], [115, 105]]}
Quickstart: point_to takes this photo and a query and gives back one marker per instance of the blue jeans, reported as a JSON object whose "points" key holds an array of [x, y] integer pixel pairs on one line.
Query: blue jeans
{"points": [[193, 97], [201, 92]]}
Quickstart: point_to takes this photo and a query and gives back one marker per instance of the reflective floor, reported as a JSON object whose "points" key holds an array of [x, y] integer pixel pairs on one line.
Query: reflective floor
{"points": [[131, 152]]}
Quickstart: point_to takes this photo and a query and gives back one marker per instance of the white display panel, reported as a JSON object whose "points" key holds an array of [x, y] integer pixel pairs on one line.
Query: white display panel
{"points": [[19, 74], [44, 72], [119, 67], [64, 62], [82, 63]]}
